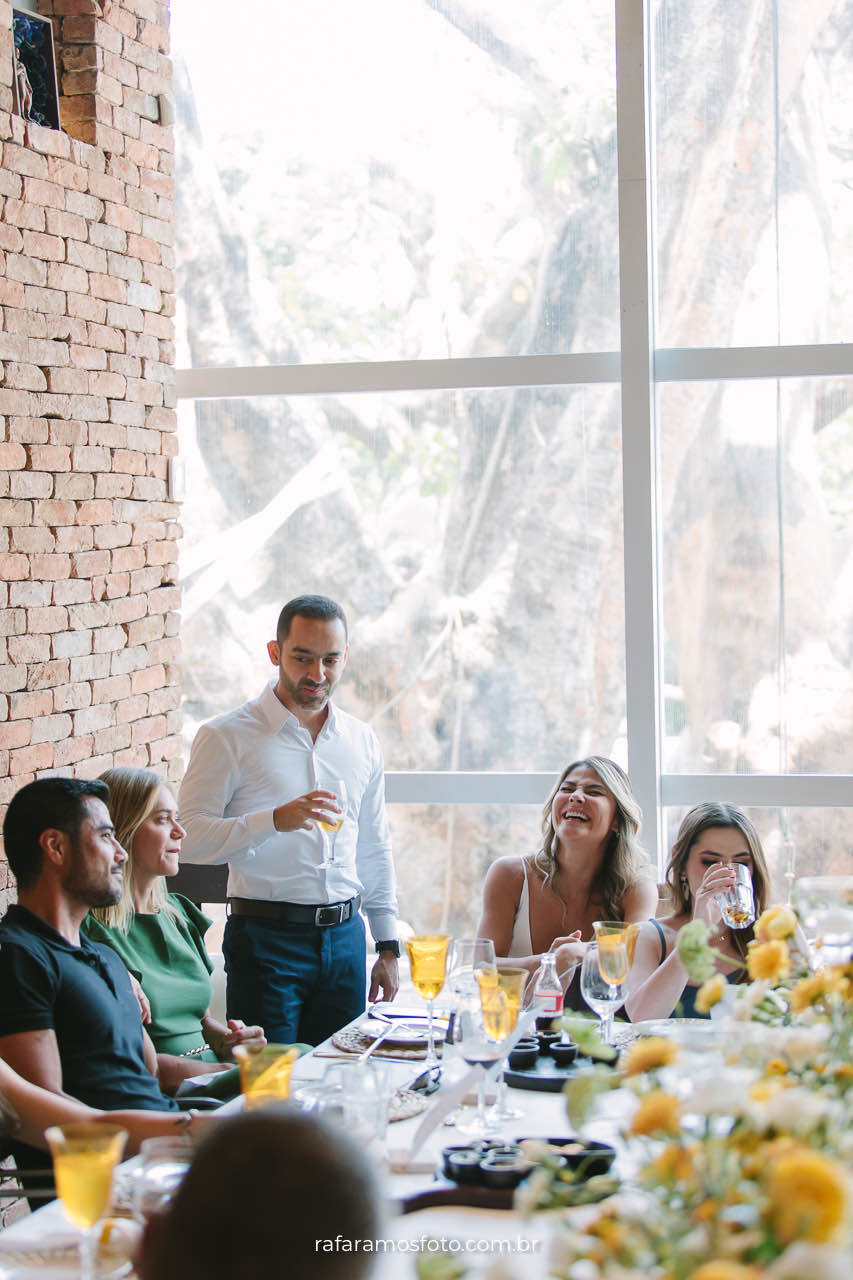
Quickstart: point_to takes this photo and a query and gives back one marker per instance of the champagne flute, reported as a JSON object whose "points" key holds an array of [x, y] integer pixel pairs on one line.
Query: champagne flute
{"points": [[601, 993], [612, 958], [479, 1036], [512, 983], [333, 824], [84, 1157], [428, 962]]}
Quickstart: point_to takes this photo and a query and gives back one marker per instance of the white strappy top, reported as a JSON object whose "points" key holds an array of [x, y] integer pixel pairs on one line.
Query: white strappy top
{"points": [[522, 944]]}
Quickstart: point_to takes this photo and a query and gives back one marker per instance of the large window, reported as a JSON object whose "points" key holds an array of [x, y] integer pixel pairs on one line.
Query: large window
{"points": [[541, 371]]}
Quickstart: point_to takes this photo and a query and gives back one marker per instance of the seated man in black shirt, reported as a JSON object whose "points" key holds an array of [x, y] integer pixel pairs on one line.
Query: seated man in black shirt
{"points": [[69, 1020]]}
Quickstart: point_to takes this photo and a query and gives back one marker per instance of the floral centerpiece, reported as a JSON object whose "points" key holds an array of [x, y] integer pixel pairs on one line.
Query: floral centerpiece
{"points": [[743, 1144]]}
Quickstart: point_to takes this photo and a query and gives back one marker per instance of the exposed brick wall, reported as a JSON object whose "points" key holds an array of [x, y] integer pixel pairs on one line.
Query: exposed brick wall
{"points": [[88, 576]]}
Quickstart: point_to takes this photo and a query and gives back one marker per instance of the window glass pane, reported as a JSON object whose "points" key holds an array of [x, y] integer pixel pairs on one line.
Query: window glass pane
{"points": [[442, 854], [754, 198], [474, 540], [395, 179], [757, 573], [796, 842]]}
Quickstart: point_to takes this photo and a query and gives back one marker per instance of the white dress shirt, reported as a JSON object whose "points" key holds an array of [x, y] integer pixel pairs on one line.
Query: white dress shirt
{"points": [[243, 765]]}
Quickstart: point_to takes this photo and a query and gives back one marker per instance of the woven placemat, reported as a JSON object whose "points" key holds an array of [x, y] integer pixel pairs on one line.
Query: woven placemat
{"points": [[405, 1103], [351, 1040]]}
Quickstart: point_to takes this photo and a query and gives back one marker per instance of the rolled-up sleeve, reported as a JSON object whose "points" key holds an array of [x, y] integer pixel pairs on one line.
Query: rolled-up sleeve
{"points": [[206, 791]]}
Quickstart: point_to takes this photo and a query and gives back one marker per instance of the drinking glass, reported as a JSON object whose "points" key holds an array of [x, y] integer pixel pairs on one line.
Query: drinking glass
{"points": [[84, 1157], [737, 905], [162, 1165], [428, 962], [602, 995], [467, 959], [512, 983], [331, 828], [613, 962], [264, 1072], [479, 1035], [627, 932], [824, 906]]}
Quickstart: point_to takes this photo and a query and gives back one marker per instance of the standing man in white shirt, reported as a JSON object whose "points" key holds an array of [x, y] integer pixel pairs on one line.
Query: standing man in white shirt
{"points": [[259, 781]]}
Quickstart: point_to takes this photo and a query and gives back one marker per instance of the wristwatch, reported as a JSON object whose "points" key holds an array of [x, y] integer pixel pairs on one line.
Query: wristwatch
{"points": [[391, 945]]}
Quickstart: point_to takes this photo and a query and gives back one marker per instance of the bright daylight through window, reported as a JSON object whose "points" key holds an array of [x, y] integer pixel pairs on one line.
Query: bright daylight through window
{"points": [[560, 525]]}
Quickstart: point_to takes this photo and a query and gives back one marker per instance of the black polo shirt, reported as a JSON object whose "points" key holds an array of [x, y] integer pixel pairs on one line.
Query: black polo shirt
{"points": [[84, 995]]}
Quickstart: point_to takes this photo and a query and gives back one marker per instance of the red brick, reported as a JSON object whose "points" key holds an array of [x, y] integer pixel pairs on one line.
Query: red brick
{"points": [[88, 207], [55, 512], [32, 540], [110, 486], [68, 225], [128, 660], [18, 733], [38, 245], [88, 256], [11, 239], [74, 539], [126, 558], [30, 595], [88, 564], [84, 357], [117, 585], [68, 381], [47, 675], [72, 177], [13, 457], [93, 718], [104, 336], [93, 309], [78, 488], [30, 484], [145, 630], [24, 161], [125, 412], [72, 697], [168, 699], [72, 592], [26, 270], [88, 458], [127, 710], [52, 728], [28, 759], [49, 457], [28, 649], [27, 706], [13, 622], [148, 680], [147, 730], [52, 142], [27, 377], [128, 366], [32, 324], [97, 511], [113, 689], [114, 738], [71, 751], [128, 609], [62, 276], [47, 194], [107, 384], [11, 292], [111, 238], [72, 644], [51, 567], [50, 300]]}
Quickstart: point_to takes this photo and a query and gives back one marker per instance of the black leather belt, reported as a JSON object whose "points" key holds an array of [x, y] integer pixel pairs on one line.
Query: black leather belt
{"points": [[296, 912]]}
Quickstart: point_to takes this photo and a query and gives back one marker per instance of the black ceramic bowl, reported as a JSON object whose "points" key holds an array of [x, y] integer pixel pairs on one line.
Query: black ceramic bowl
{"points": [[504, 1169], [523, 1056], [461, 1164], [587, 1158], [547, 1039], [563, 1054]]}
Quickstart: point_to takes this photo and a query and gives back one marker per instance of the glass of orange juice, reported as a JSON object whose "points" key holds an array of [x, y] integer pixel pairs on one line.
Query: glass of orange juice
{"points": [[609, 934], [264, 1072], [428, 963], [511, 982], [84, 1157]]}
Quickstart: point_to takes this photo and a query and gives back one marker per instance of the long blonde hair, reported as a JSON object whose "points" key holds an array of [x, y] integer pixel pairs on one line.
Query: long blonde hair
{"points": [[624, 860], [133, 793]]}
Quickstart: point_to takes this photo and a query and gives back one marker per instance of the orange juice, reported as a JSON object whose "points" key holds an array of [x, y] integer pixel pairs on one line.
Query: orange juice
{"points": [[84, 1182]]}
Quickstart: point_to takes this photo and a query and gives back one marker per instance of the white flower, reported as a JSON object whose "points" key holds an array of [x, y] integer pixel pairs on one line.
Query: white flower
{"points": [[803, 1261], [750, 997], [720, 1093], [799, 1110]]}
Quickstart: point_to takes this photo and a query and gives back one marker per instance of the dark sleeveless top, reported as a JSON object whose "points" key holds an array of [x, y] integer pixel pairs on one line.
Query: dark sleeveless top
{"points": [[686, 1006]]}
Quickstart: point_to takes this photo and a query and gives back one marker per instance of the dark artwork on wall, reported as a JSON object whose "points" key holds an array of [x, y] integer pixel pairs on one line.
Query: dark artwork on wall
{"points": [[36, 92]]}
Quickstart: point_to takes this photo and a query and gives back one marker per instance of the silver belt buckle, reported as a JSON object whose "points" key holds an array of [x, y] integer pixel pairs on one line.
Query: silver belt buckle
{"points": [[328, 915]]}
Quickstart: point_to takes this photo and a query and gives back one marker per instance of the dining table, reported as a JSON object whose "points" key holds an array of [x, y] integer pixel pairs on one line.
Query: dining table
{"points": [[421, 1210]]}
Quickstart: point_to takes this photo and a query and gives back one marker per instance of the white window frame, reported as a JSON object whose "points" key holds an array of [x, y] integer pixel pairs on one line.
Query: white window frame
{"points": [[638, 370]]}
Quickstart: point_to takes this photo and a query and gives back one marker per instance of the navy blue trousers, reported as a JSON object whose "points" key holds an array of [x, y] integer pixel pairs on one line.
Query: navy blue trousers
{"points": [[297, 981]]}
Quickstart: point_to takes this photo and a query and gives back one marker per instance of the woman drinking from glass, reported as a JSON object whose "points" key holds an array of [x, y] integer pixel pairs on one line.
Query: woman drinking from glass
{"points": [[589, 867], [712, 841]]}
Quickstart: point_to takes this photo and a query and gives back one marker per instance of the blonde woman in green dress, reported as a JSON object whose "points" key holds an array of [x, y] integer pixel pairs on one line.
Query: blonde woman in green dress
{"points": [[160, 935]]}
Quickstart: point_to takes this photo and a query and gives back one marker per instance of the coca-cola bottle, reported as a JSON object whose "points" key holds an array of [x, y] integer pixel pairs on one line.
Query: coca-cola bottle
{"points": [[547, 993]]}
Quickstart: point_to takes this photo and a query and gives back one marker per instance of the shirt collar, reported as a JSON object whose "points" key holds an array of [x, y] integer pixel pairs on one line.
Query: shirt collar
{"points": [[277, 714], [28, 920]]}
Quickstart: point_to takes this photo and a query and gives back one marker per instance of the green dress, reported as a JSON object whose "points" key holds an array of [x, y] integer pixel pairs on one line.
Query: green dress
{"points": [[168, 957]]}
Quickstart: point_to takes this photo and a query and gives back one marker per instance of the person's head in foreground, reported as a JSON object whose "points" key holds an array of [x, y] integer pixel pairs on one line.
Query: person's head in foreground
{"points": [[264, 1193]]}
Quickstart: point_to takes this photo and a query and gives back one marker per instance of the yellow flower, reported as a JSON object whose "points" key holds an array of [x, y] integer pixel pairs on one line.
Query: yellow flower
{"points": [[768, 960], [710, 993], [764, 1089], [776, 1067], [809, 1197], [810, 991], [775, 923], [674, 1164], [725, 1271], [657, 1113], [647, 1054]]}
